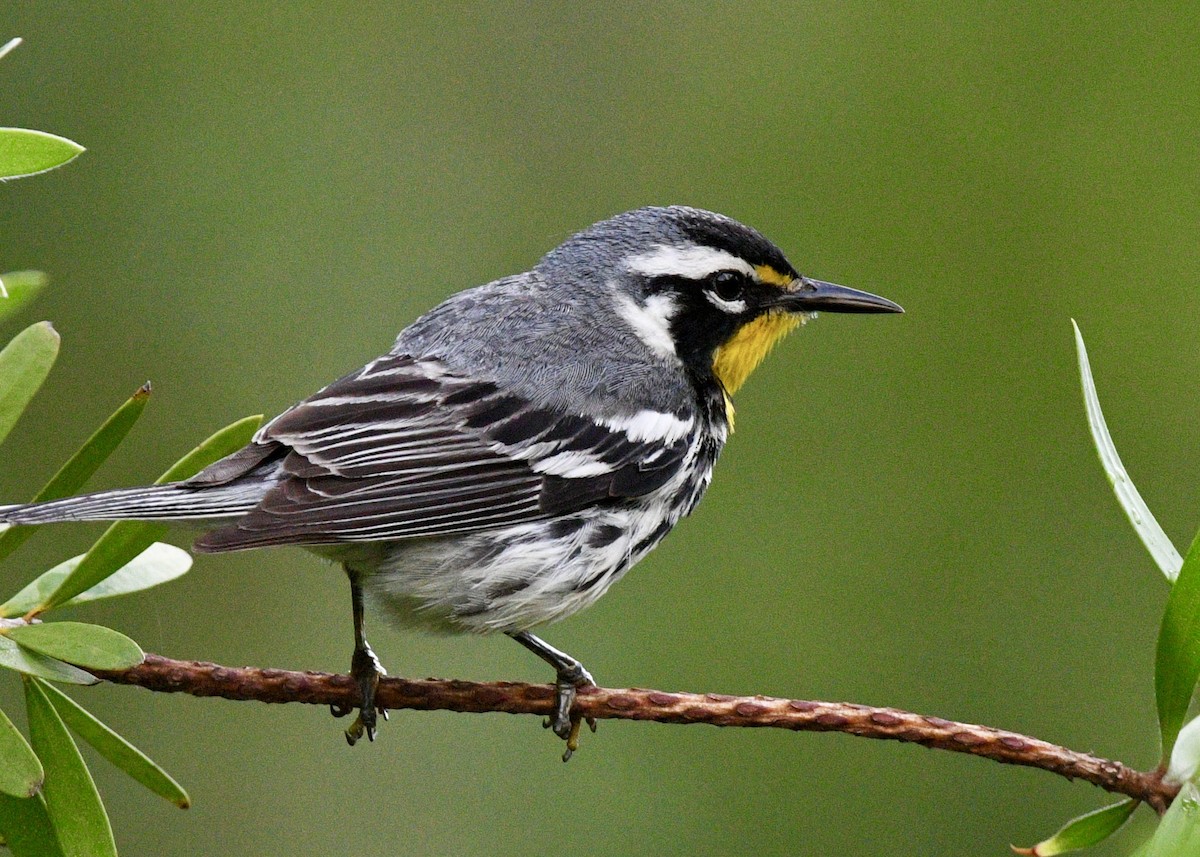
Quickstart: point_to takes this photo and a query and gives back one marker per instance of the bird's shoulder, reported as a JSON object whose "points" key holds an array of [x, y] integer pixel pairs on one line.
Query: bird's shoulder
{"points": [[558, 345]]}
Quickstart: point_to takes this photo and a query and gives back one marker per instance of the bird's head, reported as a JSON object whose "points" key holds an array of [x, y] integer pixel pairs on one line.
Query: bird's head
{"points": [[700, 287]]}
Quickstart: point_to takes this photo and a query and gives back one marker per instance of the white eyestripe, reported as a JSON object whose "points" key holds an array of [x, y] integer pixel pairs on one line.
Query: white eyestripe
{"points": [[651, 321], [694, 262]]}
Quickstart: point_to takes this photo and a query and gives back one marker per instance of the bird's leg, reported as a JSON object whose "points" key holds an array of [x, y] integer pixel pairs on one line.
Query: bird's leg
{"points": [[366, 671], [570, 675]]}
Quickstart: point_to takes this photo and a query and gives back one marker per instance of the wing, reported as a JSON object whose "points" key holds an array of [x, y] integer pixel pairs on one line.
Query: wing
{"points": [[405, 448]]}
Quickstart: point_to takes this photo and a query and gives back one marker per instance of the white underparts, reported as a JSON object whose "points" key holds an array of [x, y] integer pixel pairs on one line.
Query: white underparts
{"points": [[651, 321]]}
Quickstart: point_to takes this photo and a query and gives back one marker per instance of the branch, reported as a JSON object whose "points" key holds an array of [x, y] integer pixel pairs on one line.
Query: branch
{"points": [[271, 685]]}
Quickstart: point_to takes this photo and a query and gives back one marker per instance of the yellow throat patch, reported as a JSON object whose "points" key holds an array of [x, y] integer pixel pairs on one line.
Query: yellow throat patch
{"points": [[737, 358]]}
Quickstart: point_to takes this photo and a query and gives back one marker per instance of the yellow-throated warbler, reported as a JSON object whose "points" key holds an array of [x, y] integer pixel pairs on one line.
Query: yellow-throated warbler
{"points": [[521, 446]]}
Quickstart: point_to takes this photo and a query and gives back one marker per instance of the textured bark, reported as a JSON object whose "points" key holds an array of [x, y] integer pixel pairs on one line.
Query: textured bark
{"points": [[272, 685]]}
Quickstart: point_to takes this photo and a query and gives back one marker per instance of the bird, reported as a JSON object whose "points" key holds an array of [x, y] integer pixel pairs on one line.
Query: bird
{"points": [[520, 447]]}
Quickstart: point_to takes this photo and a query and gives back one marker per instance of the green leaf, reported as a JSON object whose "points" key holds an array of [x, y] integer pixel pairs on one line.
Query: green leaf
{"points": [[220, 444], [70, 792], [20, 770], [155, 565], [27, 661], [1135, 508], [87, 460], [1088, 829], [1185, 755], [24, 152], [9, 46], [18, 288], [90, 646], [116, 749], [27, 829], [126, 539], [24, 364], [1177, 661], [1178, 834]]}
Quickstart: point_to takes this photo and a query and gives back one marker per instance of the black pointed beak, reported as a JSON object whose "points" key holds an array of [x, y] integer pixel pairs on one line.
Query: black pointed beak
{"points": [[813, 295]]}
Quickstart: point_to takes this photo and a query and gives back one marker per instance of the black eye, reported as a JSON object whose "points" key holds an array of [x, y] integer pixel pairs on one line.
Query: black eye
{"points": [[727, 285]]}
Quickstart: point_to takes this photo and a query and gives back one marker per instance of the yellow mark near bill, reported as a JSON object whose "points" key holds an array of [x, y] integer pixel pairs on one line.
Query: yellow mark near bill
{"points": [[772, 277]]}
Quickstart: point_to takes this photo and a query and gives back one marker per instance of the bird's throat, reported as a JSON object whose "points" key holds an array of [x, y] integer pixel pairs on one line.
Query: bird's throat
{"points": [[736, 359]]}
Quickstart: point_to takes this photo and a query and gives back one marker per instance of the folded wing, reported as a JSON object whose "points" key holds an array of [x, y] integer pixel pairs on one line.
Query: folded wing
{"points": [[404, 448]]}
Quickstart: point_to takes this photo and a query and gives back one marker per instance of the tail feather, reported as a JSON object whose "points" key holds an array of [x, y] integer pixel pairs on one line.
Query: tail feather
{"points": [[173, 502]]}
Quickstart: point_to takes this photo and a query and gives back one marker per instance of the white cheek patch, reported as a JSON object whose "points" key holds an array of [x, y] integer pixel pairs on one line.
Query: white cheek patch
{"points": [[651, 321], [693, 263], [731, 307]]}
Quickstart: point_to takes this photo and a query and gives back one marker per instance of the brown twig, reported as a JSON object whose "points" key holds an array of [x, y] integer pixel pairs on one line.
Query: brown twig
{"points": [[271, 685]]}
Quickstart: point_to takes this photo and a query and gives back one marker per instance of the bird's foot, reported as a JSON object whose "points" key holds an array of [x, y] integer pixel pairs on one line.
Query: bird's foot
{"points": [[366, 671], [563, 722]]}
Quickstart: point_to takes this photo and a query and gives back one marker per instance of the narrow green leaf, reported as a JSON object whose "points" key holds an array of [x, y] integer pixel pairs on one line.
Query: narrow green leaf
{"points": [[1135, 508], [20, 770], [89, 646], [70, 792], [18, 288], [27, 829], [24, 364], [218, 445], [24, 152], [79, 467], [1178, 834], [157, 564], [116, 749], [27, 661], [126, 539], [1177, 660], [1088, 829], [9, 46]]}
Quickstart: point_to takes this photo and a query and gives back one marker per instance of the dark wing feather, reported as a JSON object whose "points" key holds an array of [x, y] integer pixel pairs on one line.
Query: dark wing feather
{"points": [[404, 448]]}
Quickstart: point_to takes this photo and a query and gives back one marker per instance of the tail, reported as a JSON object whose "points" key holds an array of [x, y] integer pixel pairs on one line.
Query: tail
{"points": [[177, 501]]}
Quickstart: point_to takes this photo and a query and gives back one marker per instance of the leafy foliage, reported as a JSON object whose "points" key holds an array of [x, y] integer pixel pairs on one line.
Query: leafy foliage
{"points": [[71, 797], [1178, 834], [24, 364], [17, 288], [26, 153], [49, 804], [1176, 669], [1084, 831], [1144, 524], [79, 467]]}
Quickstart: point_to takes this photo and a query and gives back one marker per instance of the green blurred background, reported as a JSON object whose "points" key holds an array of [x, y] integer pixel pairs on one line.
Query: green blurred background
{"points": [[910, 514]]}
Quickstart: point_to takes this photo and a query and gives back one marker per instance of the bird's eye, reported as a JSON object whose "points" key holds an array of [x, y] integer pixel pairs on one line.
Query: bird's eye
{"points": [[727, 285]]}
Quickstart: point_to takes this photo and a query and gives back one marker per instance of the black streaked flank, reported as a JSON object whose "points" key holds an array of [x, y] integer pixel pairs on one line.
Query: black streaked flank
{"points": [[604, 535]]}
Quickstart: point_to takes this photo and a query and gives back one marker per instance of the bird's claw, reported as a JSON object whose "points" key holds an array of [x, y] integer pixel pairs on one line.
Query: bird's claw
{"points": [[562, 722], [366, 671]]}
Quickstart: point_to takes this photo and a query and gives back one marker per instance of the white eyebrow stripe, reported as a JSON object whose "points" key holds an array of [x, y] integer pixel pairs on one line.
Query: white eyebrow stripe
{"points": [[650, 321], [694, 263]]}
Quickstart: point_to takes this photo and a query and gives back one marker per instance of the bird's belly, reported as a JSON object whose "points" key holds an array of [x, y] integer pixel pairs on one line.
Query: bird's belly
{"points": [[514, 578]]}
